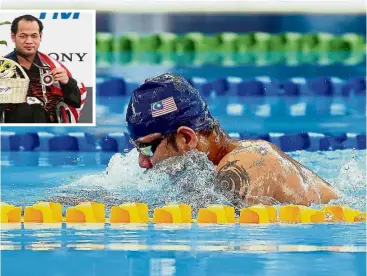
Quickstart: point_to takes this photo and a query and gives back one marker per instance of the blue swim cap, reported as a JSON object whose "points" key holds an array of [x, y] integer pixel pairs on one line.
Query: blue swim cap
{"points": [[164, 103]]}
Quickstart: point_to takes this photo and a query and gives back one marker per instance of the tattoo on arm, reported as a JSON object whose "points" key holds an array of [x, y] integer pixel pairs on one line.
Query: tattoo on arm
{"points": [[233, 179]]}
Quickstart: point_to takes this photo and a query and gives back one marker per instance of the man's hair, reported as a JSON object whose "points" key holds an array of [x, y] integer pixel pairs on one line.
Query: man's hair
{"points": [[27, 17]]}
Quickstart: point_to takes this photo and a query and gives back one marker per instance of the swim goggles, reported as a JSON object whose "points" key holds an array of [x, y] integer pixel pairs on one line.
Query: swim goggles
{"points": [[148, 149]]}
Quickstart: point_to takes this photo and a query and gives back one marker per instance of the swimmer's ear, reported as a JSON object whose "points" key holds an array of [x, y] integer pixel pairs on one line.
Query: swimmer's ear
{"points": [[189, 135]]}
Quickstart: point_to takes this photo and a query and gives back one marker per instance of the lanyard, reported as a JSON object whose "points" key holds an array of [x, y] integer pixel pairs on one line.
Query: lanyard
{"points": [[35, 64], [43, 74], [42, 84]]}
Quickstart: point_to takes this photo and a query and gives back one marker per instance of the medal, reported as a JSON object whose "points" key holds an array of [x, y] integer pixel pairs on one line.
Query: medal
{"points": [[47, 79]]}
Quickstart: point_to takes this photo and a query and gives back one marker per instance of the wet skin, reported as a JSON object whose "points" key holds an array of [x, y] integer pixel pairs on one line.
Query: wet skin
{"points": [[254, 171]]}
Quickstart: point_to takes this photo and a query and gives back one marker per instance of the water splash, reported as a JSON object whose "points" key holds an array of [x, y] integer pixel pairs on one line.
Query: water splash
{"points": [[189, 179], [182, 179], [345, 170], [351, 182]]}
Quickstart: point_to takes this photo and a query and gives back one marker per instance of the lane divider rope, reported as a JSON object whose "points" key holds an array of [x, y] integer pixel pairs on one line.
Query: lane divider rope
{"points": [[136, 212]]}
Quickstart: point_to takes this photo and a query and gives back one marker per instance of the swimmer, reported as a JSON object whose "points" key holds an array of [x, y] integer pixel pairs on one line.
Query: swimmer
{"points": [[167, 117]]}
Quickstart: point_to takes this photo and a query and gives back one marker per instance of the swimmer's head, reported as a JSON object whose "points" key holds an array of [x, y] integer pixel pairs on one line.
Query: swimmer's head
{"points": [[161, 107], [164, 103]]}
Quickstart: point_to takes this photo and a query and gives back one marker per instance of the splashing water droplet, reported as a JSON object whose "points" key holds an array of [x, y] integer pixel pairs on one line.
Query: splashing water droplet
{"points": [[189, 179], [183, 179]]}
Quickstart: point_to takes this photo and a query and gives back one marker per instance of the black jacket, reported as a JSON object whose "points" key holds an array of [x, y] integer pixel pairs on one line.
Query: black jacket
{"points": [[70, 90]]}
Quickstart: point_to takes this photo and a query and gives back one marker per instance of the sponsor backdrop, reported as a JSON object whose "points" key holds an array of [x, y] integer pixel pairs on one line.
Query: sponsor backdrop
{"points": [[68, 36]]}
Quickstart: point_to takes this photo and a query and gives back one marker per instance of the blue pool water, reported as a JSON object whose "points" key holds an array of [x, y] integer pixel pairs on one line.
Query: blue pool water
{"points": [[266, 114], [113, 178], [332, 249]]}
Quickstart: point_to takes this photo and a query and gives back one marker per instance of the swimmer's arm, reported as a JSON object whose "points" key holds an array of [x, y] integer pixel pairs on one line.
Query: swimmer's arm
{"points": [[275, 180], [326, 191], [261, 178], [243, 176]]}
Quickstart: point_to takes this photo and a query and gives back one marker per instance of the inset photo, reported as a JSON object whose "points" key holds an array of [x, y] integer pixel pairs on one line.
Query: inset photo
{"points": [[47, 67]]}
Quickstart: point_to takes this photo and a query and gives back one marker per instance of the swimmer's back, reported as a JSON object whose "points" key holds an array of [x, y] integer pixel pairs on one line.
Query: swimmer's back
{"points": [[259, 172]]}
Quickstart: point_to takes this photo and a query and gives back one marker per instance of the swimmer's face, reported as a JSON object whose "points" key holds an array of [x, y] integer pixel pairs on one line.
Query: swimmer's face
{"points": [[28, 38], [161, 149]]}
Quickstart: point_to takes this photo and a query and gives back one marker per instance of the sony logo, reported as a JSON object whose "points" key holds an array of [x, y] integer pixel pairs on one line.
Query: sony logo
{"points": [[79, 57]]}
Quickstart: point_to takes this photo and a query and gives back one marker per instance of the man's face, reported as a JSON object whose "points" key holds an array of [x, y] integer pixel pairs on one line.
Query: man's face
{"points": [[27, 39], [160, 148]]}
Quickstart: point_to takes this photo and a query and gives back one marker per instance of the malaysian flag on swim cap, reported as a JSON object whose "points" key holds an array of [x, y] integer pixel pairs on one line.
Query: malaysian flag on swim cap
{"points": [[164, 103], [163, 107]]}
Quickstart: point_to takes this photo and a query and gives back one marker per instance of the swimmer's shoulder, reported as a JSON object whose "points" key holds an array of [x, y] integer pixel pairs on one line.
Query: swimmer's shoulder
{"points": [[249, 151]]}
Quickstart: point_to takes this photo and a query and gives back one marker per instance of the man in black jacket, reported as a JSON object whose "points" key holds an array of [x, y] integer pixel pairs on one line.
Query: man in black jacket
{"points": [[50, 81]]}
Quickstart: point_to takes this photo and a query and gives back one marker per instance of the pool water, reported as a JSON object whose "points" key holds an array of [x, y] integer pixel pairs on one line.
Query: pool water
{"points": [[319, 114], [113, 178], [151, 249], [330, 249]]}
